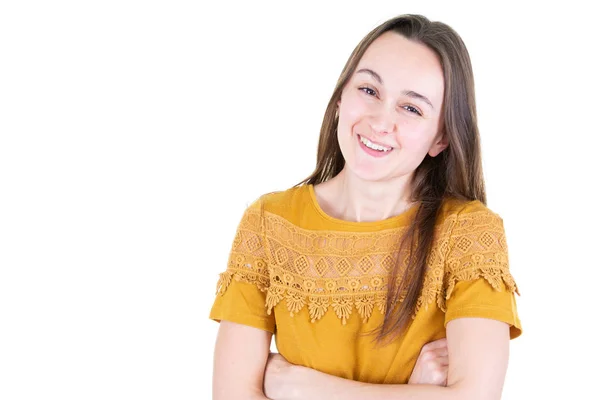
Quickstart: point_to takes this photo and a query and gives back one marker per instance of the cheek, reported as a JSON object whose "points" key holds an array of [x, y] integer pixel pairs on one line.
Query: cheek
{"points": [[353, 108], [416, 142]]}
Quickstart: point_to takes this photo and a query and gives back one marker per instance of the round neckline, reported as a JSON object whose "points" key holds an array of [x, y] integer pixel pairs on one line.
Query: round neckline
{"points": [[395, 220]]}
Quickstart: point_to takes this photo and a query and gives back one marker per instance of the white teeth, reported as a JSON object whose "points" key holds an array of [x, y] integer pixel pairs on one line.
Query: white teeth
{"points": [[374, 146]]}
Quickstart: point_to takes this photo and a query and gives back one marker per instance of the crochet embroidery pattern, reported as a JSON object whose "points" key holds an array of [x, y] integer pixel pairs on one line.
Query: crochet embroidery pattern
{"points": [[349, 271]]}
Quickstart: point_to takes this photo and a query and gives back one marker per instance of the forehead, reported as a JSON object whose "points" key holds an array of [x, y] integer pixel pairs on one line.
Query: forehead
{"points": [[405, 65]]}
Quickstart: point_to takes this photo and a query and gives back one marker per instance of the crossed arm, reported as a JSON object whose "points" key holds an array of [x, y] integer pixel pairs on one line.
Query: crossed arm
{"points": [[477, 352]]}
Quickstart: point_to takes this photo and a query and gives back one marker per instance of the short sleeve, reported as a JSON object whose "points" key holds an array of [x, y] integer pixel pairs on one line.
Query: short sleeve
{"points": [[477, 279], [242, 287]]}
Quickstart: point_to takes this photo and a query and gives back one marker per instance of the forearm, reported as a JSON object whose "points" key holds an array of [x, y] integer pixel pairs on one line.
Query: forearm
{"points": [[328, 387], [240, 394]]}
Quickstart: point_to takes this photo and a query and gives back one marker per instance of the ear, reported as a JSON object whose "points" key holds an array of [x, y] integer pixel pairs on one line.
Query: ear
{"points": [[439, 144]]}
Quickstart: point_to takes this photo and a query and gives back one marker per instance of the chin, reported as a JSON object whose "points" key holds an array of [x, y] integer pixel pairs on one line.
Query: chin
{"points": [[368, 173]]}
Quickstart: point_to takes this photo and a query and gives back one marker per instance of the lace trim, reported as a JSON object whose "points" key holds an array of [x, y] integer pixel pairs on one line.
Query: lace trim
{"points": [[241, 276], [477, 249], [495, 276], [348, 271]]}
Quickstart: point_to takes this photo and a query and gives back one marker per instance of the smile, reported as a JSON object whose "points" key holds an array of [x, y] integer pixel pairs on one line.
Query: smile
{"points": [[374, 146], [373, 149]]}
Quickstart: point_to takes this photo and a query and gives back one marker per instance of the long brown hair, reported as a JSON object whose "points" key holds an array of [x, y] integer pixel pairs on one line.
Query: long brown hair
{"points": [[454, 173]]}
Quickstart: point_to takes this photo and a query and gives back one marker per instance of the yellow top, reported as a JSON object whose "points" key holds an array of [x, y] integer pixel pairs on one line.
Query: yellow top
{"points": [[316, 282]]}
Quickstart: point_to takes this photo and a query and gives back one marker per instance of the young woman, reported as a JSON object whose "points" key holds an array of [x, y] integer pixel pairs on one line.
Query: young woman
{"points": [[383, 275]]}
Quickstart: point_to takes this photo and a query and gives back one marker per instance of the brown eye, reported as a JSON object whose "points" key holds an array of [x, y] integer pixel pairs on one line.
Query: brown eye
{"points": [[413, 110], [368, 91]]}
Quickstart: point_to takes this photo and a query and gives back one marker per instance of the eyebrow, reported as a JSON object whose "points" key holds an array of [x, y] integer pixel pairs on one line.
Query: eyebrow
{"points": [[409, 93]]}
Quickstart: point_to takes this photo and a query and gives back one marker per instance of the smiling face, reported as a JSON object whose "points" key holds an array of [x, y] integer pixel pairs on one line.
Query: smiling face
{"points": [[389, 111]]}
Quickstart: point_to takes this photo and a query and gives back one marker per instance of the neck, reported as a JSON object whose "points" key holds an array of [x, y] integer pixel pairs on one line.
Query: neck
{"points": [[363, 201]]}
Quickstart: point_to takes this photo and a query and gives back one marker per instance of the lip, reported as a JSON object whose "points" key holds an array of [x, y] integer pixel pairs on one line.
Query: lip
{"points": [[374, 142], [371, 152]]}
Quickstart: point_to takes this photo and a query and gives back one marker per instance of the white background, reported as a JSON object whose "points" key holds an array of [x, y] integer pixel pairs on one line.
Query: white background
{"points": [[134, 134]]}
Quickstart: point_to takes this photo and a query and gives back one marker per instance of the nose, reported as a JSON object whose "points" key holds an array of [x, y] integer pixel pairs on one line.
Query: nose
{"points": [[383, 121]]}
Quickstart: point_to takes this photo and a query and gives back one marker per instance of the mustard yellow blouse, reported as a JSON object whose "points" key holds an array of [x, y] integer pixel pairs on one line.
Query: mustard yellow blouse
{"points": [[318, 282]]}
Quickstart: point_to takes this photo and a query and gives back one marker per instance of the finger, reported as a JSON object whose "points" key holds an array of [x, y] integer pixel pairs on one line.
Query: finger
{"points": [[444, 373], [443, 361], [441, 352], [438, 375], [432, 354], [436, 344]]}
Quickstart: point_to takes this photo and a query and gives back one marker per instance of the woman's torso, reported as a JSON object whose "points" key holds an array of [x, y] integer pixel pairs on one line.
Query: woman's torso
{"points": [[328, 281]]}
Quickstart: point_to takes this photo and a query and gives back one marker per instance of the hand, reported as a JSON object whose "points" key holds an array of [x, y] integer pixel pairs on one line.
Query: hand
{"points": [[432, 365], [277, 372]]}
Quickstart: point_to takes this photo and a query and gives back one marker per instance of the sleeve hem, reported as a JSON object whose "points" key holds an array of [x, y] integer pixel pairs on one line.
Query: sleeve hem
{"points": [[496, 313], [244, 319]]}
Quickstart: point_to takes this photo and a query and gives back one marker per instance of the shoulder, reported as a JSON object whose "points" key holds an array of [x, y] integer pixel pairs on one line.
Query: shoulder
{"points": [[471, 233], [282, 202], [456, 212], [255, 219]]}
